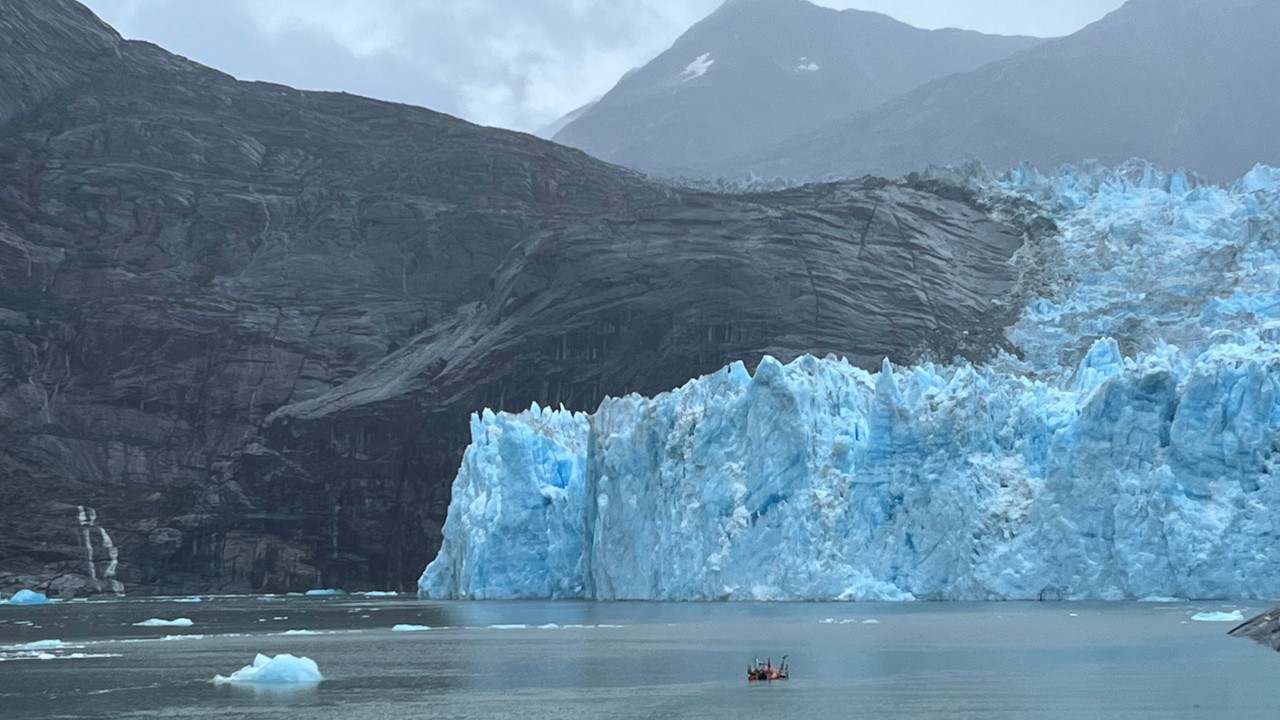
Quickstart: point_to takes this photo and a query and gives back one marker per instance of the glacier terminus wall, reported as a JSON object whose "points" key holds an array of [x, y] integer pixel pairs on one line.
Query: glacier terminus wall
{"points": [[1132, 449]]}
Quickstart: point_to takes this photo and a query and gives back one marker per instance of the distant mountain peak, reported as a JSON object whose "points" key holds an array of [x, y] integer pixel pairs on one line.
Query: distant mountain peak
{"points": [[756, 72]]}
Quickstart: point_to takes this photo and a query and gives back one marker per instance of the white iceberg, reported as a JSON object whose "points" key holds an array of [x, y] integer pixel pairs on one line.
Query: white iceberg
{"points": [[380, 593], [1233, 616], [405, 627], [160, 622], [325, 592], [283, 669]]}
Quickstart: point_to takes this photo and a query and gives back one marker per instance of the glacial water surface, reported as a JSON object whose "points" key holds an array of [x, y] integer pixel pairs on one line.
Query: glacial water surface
{"points": [[568, 660]]}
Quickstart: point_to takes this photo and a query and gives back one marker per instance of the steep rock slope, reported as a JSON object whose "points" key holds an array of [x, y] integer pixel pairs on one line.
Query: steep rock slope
{"points": [[1183, 83], [757, 72], [242, 326]]}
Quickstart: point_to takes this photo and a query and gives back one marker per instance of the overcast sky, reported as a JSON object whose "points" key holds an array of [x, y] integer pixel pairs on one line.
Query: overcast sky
{"points": [[510, 63]]}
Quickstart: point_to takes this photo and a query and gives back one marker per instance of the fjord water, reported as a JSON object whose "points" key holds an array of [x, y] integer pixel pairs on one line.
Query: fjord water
{"points": [[640, 660]]}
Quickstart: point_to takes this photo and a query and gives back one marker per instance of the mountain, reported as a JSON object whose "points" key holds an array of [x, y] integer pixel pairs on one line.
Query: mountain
{"points": [[1129, 452], [1183, 83], [757, 72], [243, 327]]}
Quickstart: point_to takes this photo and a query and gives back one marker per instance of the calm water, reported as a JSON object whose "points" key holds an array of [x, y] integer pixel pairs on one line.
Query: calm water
{"points": [[641, 660]]}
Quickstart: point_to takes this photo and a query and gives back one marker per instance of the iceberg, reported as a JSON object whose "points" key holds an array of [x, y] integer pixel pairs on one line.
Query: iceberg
{"points": [[283, 669], [406, 627], [1233, 616], [28, 597], [159, 622], [1129, 449], [325, 592]]}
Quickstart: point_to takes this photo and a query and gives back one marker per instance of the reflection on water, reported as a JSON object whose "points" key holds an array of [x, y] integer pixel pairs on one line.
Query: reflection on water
{"points": [[587, 660]]}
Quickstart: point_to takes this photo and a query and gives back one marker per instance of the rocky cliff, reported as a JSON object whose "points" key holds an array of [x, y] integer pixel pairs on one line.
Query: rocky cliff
{"points": [[242, 326]]}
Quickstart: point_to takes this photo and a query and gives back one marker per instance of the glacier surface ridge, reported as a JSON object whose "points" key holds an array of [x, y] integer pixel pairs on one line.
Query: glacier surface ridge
{"points": [[1131, 450]]}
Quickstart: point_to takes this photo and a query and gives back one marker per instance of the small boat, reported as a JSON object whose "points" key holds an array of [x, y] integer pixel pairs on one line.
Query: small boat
{"points": [[766, 671]]}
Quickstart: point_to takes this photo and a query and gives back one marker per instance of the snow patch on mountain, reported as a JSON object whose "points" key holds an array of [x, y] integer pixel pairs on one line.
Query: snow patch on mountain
{"points": [[698, 67]]}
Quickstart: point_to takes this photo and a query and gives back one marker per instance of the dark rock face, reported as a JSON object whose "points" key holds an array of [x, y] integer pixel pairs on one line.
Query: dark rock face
{"points": [[1264, 628], [242, 326], [756, 73]]}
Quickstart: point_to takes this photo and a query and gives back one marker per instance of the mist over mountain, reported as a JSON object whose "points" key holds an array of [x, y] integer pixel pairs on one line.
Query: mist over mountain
{"points": [[1183, 83], [757, 72]]}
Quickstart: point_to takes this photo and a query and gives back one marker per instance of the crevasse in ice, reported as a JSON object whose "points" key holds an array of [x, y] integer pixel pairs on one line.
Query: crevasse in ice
{"points": [[1131, 452]]}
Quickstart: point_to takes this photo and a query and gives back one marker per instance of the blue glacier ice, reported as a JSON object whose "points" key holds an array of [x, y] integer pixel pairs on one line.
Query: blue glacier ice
{"points": [[1131, 451], [28, 597]]}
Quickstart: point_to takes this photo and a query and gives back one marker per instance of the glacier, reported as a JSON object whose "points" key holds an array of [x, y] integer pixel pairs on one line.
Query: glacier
{"points": [[1130, 449]]}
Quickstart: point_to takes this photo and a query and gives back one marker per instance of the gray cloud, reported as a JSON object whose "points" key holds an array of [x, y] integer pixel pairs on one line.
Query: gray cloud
{"points": [[510, 63]]}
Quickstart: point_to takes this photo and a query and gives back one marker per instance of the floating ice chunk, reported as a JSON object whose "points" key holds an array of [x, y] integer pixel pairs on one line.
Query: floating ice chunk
{"points": [[511, 626], [283, 669], [1233, 616], [43, 645], [698, 67], [192, 599], [380, 593], [549, 626], [405, 627], [28, 597], [160, 622], [807, 65], [299, 632], [325, 592], [871, 621], [1160, 599]]}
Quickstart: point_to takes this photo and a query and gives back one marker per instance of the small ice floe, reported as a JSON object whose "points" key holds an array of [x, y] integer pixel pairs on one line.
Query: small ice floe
{"points": [[1160, 599], [28, 597], [78, 656], [299, 632], [380, 593], [1073, 614], [549, 626], [1233, 616], [44, 645], [871, 621], [807, 65], [283, 669], [846, 621], [191, 599], [405, 627], [325, 592], [160, 622], [515, 626]]}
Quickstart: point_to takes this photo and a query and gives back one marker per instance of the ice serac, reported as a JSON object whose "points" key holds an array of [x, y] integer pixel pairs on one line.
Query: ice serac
{"points": [[1130, 452]]}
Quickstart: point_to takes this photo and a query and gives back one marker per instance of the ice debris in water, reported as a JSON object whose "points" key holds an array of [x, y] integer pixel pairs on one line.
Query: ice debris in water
{"points": [[1128, 451], [380, 593], [325, 592], [43, 645], [405, 627], [1233, 616], [283, 669], [159, 622], [28, 597]]}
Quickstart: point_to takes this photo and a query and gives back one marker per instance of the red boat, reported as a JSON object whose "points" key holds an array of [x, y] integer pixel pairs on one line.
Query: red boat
{"points": [[766, 671]]}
